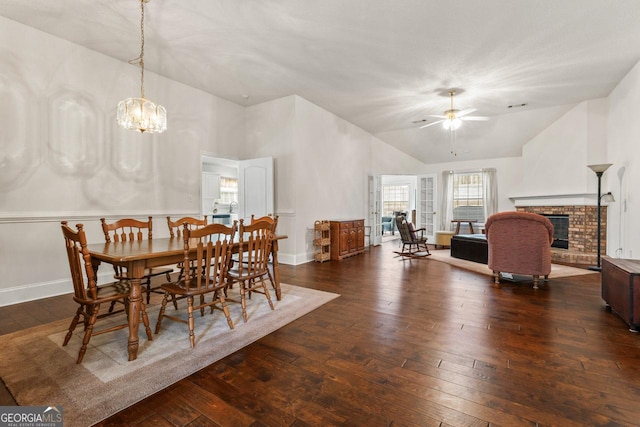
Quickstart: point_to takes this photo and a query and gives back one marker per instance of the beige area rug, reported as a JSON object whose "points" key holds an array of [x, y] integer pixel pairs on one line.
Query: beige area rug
{"points": [[557, 270], [38, 371]]}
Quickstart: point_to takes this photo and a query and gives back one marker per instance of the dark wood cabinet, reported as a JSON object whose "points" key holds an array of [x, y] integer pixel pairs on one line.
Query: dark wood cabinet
{"points": [[347, 238], [621, 289]]}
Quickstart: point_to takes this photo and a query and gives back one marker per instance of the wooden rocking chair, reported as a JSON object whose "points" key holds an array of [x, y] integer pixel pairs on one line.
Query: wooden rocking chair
{"points": [[414, 244]]}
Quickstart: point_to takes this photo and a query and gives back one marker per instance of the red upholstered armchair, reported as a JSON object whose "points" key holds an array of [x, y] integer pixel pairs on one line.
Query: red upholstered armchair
{"points": [[519, 243]]}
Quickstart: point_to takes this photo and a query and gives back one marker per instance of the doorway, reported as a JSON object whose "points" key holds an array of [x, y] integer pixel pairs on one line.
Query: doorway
{"points": [[413, 194], [235, 189], [219, 190]]}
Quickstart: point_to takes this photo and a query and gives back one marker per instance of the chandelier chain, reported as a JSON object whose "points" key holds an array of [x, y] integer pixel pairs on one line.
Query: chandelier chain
{"points": [[142, 48]]}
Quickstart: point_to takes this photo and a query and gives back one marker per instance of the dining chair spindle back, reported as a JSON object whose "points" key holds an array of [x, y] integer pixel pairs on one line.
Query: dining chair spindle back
{"points": [[204, 274], [176, 229], [272, 219], [252, 268], [130, 230]]}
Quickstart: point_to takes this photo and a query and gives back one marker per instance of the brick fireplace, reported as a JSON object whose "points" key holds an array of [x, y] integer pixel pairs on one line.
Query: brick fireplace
{"points": [[583, 232]]}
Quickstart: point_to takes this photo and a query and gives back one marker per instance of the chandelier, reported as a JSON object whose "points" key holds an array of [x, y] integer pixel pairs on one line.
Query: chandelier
{"points": [[139, 113]]}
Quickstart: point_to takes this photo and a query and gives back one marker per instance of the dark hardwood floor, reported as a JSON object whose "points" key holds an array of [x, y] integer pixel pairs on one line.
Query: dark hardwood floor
{"points": [[408, 343]]}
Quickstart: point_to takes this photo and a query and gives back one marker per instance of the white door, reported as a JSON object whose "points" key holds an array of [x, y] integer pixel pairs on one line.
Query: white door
{"points": [[255, 187], [426, 205], [375, 210]]}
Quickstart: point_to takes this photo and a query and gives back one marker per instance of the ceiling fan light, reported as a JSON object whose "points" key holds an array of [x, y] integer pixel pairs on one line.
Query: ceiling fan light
{"points": [[452, 124]]}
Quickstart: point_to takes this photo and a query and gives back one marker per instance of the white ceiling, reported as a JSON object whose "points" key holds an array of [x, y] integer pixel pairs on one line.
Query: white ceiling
{"points": [[380, 64]]}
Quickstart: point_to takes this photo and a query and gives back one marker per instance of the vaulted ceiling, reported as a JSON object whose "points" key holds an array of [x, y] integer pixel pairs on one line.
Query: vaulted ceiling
{"points": [[383, 65]]}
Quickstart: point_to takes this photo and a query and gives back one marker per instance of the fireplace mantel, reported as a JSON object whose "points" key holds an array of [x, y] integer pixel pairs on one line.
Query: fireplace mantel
{"points": [[576, 199]]}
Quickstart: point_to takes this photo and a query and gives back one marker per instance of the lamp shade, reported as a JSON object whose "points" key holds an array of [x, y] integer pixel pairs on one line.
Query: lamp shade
{"points": [[608, 197], [599, 168]]}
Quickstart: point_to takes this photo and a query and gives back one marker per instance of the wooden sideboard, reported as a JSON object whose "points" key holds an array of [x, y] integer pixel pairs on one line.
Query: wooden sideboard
{"points": [[621, 289], [347, 238]]}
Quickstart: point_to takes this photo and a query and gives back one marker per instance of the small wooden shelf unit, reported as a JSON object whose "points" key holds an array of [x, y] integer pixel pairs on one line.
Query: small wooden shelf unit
{"points": [[347, 237], [322, 241]]}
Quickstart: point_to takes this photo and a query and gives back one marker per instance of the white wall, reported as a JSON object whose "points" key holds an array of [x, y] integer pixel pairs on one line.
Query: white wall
{"points": [[270, 133], [63, 156], [595, 131], [555, 161], [623, 150], [322, 166]]}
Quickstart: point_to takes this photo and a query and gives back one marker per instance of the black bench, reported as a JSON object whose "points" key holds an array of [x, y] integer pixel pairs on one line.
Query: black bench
{"points": [[472, 247]]}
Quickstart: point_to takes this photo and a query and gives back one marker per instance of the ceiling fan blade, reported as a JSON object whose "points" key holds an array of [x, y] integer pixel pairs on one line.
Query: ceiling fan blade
{"points": [[465, 112], [431, 124], [439, 117], [475, 118]]}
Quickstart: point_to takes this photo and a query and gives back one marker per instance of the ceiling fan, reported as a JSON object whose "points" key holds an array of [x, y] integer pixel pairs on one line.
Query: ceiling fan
{"points": [[452, 118]]}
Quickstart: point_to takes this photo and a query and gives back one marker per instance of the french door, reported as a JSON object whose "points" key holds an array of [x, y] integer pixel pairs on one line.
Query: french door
{"points": [[426, 215], [375, 210]]}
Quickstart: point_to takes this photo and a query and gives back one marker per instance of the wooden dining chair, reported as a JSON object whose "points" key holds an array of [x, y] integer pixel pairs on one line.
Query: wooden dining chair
{"points": [[204, 274], [88, 294], [131, 230], [176, 229], [273, 220], [252, 268]]}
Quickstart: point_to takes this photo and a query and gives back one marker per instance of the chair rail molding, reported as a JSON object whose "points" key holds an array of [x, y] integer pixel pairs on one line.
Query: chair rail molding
{"points": [[30, 217]]}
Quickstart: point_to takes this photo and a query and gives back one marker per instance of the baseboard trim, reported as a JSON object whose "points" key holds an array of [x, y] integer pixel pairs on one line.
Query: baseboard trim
{"points": [[36, 291]]}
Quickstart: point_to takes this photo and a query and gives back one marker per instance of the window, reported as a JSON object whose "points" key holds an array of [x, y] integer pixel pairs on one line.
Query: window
{"points": [[394, 198], [228, 189], [467, 196]]}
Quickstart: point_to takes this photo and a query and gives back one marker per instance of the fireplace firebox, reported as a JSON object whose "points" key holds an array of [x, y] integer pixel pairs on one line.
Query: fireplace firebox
{"points": [[560, 230]]}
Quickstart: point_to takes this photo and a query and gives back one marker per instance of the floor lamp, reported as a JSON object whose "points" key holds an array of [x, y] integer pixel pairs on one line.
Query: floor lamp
{"points": [[599, 170]]}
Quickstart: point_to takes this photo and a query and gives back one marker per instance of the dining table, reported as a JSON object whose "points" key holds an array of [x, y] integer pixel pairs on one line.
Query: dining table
{"points": [[136, 256]]}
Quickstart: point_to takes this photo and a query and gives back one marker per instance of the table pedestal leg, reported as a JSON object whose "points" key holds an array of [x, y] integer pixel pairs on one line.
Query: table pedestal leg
{"points": [[136, 273]]}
